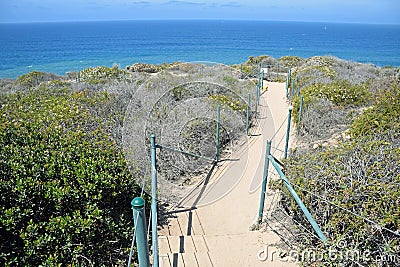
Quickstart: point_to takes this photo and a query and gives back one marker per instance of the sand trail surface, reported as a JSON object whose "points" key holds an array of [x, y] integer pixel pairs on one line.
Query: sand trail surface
{"points": [[210, 227]]}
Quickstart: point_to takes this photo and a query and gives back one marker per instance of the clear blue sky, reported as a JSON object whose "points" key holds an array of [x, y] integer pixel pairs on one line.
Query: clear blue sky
{"points": [[359, 11]]}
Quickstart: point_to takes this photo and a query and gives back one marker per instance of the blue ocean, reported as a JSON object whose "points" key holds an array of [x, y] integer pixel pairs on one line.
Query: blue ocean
{"points": [[72, 46]]}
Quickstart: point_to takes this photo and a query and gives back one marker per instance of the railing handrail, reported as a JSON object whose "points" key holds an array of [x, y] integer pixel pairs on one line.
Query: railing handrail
{"points": [[298, 200]]}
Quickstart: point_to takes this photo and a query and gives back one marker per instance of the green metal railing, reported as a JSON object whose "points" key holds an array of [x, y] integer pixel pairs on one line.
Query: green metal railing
{"points": [[288, 132], [217, 133], [154, 233], [299, 114], [298, 200], [139, 217], [264, 183], [269, 158], [248, 110]]}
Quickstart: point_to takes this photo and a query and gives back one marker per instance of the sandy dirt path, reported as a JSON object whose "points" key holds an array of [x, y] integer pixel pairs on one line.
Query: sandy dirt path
{"points": [[211, 225]]}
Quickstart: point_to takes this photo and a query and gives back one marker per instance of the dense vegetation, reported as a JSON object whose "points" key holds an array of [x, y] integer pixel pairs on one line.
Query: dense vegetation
{"points": [[65, 187], [346, 169]]}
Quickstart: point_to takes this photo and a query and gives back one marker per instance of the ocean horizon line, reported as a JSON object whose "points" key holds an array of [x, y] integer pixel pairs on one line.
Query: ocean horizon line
{"points": [[199, 20]]}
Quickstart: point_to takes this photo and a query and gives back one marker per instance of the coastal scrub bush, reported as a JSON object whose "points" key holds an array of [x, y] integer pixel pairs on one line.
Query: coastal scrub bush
{"points": [[251, 66], [321, 119], [354, 72], [264, 59], [290, 61], [328, 107], [340, 93], [101, 75], [382, 116], [230, 81], [316, 69], [306, 75], [146, 68], [230, 102], [321, 61], [65, 187], [351, 189], [34, 78], [246, 69], [359, 177], [6, 86], [327, 69]]}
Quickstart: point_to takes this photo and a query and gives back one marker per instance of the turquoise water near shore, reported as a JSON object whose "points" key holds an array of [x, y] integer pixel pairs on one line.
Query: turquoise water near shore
{"points": [[72, 46]]}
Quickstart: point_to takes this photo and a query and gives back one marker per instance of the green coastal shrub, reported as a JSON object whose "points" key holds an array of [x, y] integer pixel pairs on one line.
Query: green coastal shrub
{"points": [[229, 102], [340, 93], [383, 116], [101, 75], [229, 80], [247, 69], [321, 120], [65, 187], [290, 61], [361, 176], [259, 59], [147, 68], [35, 78]]}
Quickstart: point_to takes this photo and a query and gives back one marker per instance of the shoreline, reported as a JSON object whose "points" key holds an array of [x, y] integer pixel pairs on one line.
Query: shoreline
{"points": [[72, 66]]}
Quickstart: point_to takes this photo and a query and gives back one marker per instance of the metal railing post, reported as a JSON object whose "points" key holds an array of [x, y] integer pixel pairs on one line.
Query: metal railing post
{"points": [[288, 82], [300, 112], [257, 97], [265, 179], [298, 200], [287, 85], [288, 132], [292, 88], [262, 79], [217, 133], [154, 233], [248, 115], [139, 218]]}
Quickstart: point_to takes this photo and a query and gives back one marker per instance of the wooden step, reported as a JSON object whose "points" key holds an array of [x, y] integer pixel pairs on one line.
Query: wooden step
{"points": [[197, 228], [183, 223], [182, 244], [177, 260], [164, 260], [201, 259], [200, 243], [163, 245], [189, 259]]}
